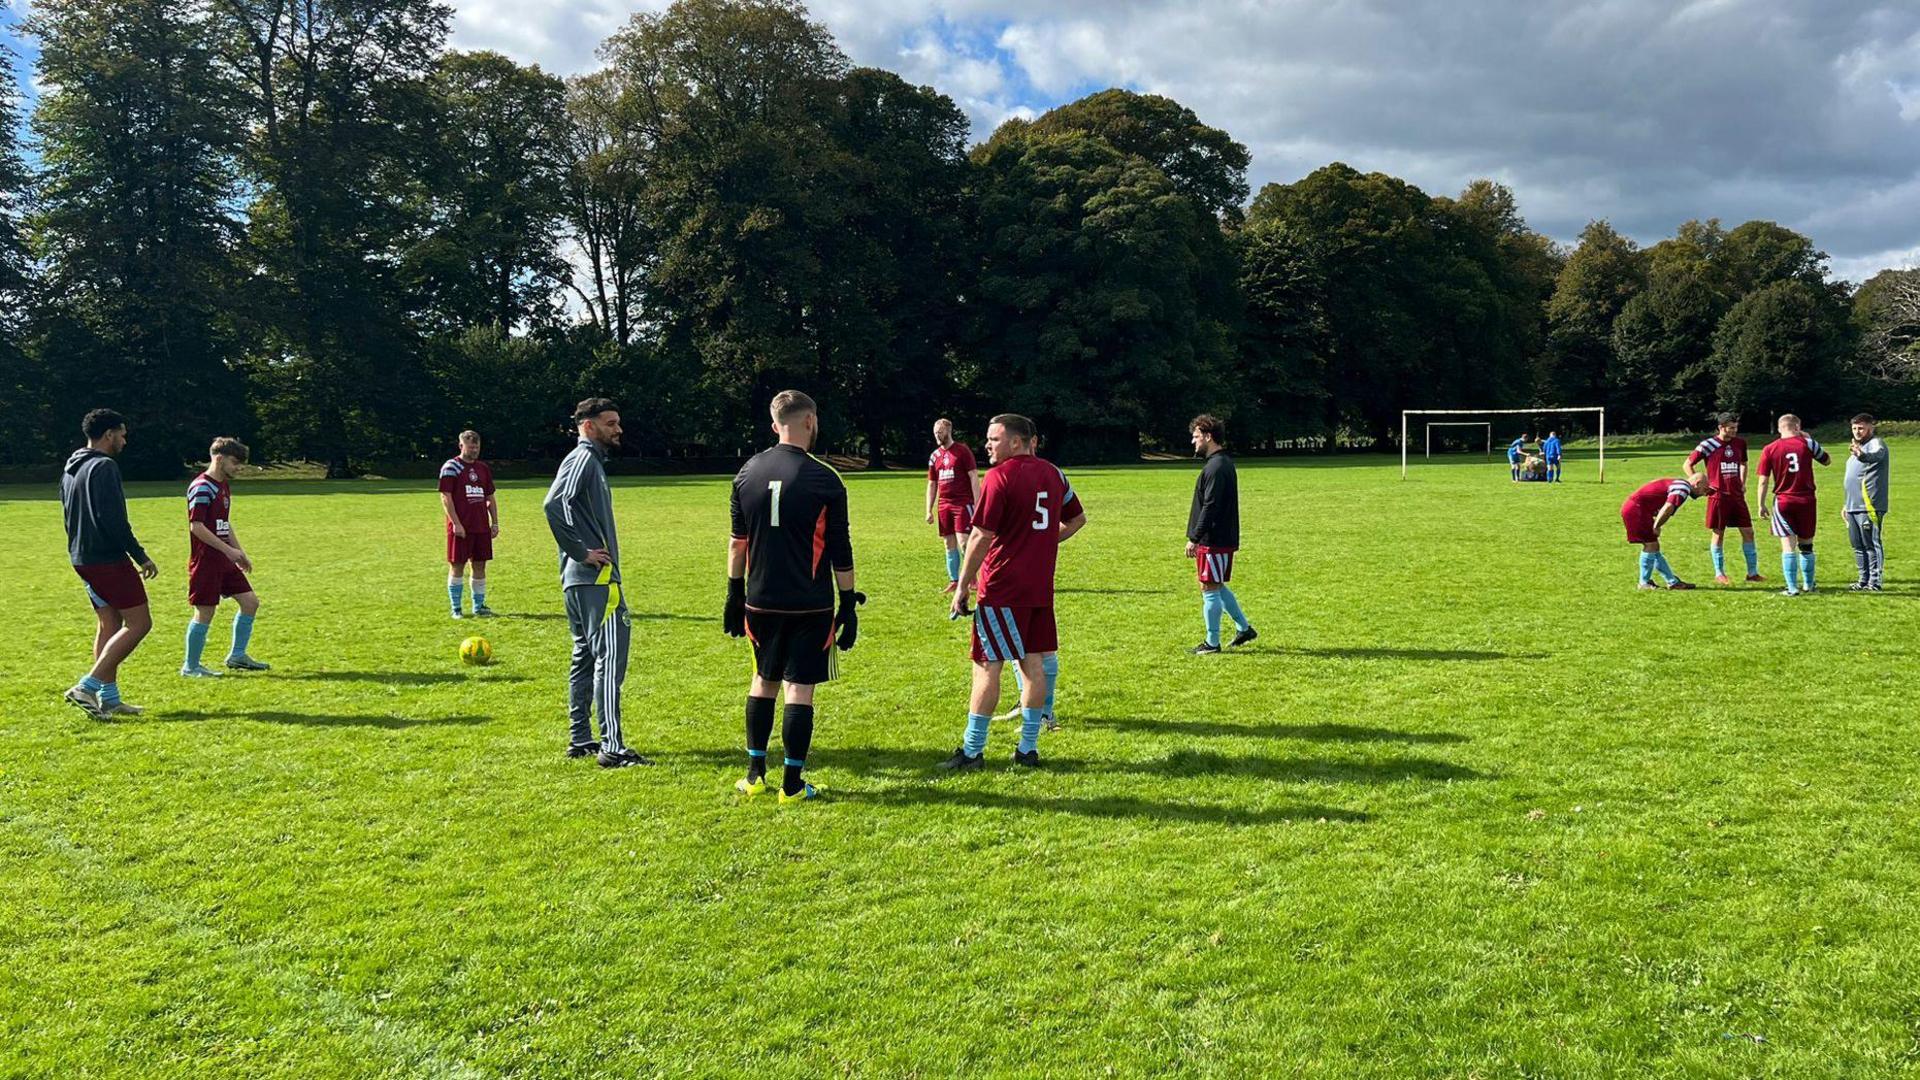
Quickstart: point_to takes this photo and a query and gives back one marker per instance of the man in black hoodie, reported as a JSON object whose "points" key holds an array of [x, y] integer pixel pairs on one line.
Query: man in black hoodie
{"points": [[101, 545], [1213, 533]]}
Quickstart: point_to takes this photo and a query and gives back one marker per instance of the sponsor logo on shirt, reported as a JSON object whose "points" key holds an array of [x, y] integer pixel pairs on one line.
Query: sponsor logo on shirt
{"points": [[476, 493]]}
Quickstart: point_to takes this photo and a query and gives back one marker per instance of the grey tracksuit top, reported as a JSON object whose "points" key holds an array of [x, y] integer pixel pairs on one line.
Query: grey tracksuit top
{"points": [[580, 514]]}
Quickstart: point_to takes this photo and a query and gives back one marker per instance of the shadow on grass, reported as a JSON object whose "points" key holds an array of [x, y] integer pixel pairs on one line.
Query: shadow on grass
{"points": [[405, 678], [323, 719], [898, 763], [1120, 592], [1318, 732], [637, 616], [1111, 806], [1344, 652]]}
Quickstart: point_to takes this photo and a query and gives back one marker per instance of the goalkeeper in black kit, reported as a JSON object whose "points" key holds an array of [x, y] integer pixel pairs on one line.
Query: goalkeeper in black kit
{"points": [[789, 555]]}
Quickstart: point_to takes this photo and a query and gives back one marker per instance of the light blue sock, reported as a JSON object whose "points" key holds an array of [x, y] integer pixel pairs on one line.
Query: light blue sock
{"points": [[1231, 603], [1030, 729], [1719, 560], [975, 743], [1753, 559], [1646, 567], [454, 589], [196, 642], [110, 693], [242, 633], [1211, 607], [1660, 563], [1806, 568], [90, 684], [953, 564], [1050, 664], [479, 593], [1790, 569]]}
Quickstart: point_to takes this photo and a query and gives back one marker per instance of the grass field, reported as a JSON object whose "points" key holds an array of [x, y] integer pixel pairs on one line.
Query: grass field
{"points": [[1472, 806]]}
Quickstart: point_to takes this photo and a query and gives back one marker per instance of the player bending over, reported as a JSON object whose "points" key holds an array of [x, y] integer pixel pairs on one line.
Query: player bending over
{"points": [[790, 550], [1646, 512], [1027, 510], [103, 551], [473, 521], [1866, 506], [1786, 465], [579, 508], [217, 565], [1516, 450], [953, 487], [1723, 457], [1213, 533]]}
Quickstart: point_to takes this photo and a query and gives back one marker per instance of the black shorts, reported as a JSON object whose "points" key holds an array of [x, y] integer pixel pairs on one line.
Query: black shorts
{"points": [[795, 647]]}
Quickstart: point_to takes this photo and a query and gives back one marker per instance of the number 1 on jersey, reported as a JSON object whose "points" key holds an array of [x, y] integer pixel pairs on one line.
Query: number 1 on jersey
{"points": [[774, 487]]}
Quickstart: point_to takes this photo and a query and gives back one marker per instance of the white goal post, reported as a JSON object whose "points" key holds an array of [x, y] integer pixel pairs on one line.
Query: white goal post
{"points": [[1488, 424], [1407, 414]]}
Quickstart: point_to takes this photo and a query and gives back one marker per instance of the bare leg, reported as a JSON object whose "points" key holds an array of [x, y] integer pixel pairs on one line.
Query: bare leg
{"points": [[136, 623]]}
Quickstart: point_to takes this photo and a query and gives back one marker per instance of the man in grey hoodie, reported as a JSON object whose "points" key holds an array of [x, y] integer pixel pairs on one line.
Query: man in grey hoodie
{"points": [[102, 548], [1867, 503], [579, 509]]}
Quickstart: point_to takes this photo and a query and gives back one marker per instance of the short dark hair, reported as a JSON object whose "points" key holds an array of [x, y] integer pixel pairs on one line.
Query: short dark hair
{"points": [[593, 407], [99, 422], [1723, 419], [1864, 418], [1214, 427], [1016, 425], [229, 446], [790, 405]]}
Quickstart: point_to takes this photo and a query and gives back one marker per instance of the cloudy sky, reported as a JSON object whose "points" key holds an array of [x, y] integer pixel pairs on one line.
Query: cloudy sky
{"points": [[1645, 112]]}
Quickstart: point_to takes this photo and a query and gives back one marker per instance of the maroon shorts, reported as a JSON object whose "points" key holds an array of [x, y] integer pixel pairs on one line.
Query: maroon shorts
{"points": [[1009, 633], [1728, 512], [114, 585], [476, 546], [1794, 517], [213, 579], [954, 519], [1639, 526], [1216, 564]]}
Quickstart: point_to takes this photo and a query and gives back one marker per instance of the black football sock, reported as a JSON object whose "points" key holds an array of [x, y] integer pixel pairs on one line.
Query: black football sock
{"points": [[796, 736], [759, 730]]}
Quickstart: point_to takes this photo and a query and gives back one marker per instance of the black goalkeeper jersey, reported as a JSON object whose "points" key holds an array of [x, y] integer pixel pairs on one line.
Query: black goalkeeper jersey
{"points": [[791, 509]]}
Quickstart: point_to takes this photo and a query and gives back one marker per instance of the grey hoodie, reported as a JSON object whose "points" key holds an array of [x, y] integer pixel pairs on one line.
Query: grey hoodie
{"points": [[1867, 475], [580, 514], [96, 510]]}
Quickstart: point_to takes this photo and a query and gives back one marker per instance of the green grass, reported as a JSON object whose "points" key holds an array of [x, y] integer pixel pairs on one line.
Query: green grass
{"points": [[1472, 806]]}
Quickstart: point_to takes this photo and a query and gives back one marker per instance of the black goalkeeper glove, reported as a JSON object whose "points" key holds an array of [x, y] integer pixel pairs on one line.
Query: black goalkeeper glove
{"points": [[734, 622], [848, 619]]}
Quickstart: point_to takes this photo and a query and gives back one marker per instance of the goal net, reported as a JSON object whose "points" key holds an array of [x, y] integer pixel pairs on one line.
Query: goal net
{"points": [[1446, 419]]}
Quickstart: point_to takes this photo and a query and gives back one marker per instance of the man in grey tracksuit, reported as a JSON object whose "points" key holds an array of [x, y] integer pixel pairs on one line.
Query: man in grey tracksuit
{"points": [[579, 509], [1867, 503]]}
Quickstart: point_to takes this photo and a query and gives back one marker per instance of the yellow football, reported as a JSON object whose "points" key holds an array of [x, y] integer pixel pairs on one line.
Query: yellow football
{"points": [[475, 650]]}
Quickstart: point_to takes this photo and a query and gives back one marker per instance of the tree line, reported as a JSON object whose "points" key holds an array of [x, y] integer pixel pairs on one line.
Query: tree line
{"points": [[310, 223]]}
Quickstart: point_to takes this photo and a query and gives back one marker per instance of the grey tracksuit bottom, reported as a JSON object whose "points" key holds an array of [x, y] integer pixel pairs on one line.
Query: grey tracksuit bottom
{"points": [[601, 637]]}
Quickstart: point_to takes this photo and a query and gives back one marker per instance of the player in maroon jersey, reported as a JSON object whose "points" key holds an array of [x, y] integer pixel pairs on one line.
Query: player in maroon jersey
{"points": [[1027, 510], [473, 521], [1786, 465], [953, 487], [1723, 457], [216, 563], [1646, 512]]}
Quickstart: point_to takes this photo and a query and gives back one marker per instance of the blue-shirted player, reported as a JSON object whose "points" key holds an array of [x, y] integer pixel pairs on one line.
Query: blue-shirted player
{"points": [[1550, 449], [1516, 450]]}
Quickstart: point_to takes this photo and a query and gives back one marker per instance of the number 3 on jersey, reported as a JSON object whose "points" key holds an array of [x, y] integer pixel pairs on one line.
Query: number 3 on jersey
{"points": [[1041, 516], [773, 486], [1793, 462]]}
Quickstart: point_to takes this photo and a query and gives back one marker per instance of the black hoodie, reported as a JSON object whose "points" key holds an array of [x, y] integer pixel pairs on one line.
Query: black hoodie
{"points": [[96, 509], [1214, 520]]}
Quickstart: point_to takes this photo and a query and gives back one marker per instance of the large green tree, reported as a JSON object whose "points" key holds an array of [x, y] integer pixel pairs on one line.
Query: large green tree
{"points": [[1090, 307], [1204, 163], [1279, 391], [137, 127], [1604, 271], [339, 115], [601, 201], [23, 388], [490, 250], [1786, 347]]}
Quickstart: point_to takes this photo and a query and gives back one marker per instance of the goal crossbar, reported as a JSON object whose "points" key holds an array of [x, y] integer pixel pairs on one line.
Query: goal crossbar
{"points": [[1407, 414]]}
